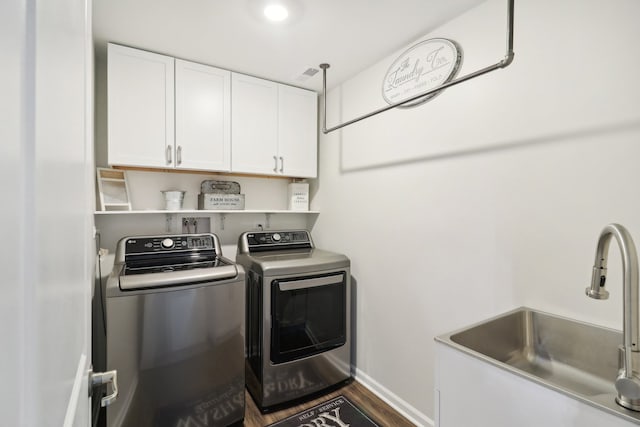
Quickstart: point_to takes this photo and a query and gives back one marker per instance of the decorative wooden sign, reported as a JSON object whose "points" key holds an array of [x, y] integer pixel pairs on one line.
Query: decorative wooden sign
{"points": [[423, 66]]}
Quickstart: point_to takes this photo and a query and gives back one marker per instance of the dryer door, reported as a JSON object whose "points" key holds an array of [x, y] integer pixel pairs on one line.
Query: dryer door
{"points": [[308, 315]]}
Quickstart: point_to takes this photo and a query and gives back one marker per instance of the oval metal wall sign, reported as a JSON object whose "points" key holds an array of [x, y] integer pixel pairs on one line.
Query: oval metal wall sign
{"points": [[423, 66]]}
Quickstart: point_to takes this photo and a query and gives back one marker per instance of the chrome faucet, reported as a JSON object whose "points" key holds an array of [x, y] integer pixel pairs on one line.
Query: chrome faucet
{"points": [[628, 381]]}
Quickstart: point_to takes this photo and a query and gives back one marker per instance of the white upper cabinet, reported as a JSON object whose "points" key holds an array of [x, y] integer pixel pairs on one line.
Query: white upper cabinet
{"points": [[203, 117], [254, 125], [149, 128], [140, 110], [297, 131], [274, 128], [173, 114]]}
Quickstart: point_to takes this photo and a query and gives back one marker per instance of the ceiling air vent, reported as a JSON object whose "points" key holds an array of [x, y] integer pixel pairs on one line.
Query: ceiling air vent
{"points": [[307, 74]]}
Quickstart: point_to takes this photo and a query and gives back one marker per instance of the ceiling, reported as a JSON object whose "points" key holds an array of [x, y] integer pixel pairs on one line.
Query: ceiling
{"points": [[348, 34]]}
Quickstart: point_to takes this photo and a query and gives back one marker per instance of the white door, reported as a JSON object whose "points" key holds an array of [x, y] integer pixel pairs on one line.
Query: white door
{"points": [[47, 174], [203, 117], [254, 125], [298, 131], [140, 108]]}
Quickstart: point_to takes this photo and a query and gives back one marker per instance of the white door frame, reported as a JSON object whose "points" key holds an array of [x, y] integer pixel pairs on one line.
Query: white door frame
{"points": [[46, 167]]}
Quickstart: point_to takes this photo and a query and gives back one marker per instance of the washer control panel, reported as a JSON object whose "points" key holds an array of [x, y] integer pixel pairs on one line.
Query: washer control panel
{"points": [[141, 245]]}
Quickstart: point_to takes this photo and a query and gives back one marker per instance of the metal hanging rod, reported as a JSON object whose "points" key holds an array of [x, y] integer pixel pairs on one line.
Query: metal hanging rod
{"points": [[508, 59]]}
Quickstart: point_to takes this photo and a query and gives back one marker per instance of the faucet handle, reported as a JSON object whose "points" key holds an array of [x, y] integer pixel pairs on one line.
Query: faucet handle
{"points": [[598, 279]]}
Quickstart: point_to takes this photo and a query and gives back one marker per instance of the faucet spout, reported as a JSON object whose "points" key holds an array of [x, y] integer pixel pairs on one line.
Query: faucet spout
{"points": [[628, 381]]}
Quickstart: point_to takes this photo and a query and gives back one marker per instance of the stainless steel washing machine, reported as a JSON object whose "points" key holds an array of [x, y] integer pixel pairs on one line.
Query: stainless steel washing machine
{"points": [[175, 333], [298, 316]]}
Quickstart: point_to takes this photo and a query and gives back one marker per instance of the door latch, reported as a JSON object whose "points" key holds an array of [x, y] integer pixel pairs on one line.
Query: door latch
{"points": [[96, 379]]}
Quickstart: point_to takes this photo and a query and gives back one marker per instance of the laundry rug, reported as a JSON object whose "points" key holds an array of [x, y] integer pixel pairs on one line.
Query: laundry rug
{"points": [[337, 412]]}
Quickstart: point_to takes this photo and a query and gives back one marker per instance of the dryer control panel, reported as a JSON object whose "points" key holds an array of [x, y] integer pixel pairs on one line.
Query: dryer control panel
{"points": [[275, 240]]}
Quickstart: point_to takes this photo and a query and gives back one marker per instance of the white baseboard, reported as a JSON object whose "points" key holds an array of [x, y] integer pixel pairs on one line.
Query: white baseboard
{"points": [[405, 409]]}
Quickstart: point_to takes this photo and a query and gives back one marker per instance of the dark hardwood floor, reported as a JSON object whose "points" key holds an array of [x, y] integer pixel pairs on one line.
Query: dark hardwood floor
{"points": [[367, 402]]}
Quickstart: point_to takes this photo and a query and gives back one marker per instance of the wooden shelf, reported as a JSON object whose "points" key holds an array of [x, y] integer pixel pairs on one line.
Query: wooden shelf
{"points": [[205, 212]]}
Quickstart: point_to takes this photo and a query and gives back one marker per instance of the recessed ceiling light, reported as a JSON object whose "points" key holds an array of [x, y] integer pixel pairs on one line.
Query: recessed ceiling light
{"points": [[276, 12]]}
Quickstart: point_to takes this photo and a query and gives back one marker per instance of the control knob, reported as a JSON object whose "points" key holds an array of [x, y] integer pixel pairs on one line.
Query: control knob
{"points": [[167, 243], [276, 237]]}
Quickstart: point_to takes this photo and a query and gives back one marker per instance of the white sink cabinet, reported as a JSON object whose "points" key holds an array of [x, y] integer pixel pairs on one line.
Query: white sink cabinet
{"points": [[472, 392]]}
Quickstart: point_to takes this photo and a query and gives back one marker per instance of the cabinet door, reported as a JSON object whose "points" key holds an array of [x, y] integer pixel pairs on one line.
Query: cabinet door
{"points": [[140, 107], [254, 125], [203, 117], [297, 131]]}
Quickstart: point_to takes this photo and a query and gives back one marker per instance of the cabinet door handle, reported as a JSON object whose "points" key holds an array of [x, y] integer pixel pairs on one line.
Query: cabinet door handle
{"points": [[275, 168], [168, 154], [281, 164], [179, 155]]}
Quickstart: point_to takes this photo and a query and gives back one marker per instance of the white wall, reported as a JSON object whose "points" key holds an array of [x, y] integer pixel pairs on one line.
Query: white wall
{"points": [[13, 31], [113, 228], [493, 194], [145, 188]]}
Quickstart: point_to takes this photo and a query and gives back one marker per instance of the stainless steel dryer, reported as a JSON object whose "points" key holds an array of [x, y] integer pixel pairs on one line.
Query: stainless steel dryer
{"points": [[175, 333], [298, 316]]}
